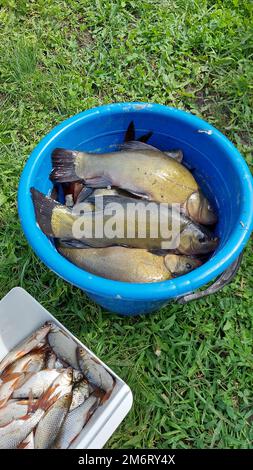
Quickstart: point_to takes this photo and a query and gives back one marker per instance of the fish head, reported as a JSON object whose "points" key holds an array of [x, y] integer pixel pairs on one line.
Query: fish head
{"points": [[77, 375], [81, 353], [83, 359], [200, 209], [196, 240], [43, 331], [179, 265], [65, 378]]}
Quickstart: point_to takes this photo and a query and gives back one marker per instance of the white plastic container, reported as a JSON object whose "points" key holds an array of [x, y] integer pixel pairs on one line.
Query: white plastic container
{"points": [[20, 315]]}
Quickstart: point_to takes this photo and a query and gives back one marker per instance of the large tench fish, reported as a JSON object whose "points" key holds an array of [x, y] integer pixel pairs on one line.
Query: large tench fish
{"points": [[129, 264], [140, 169], [137, 230]]}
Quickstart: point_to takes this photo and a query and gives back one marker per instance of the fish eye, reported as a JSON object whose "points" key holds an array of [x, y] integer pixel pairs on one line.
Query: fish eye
{"points": [[188, 265]]}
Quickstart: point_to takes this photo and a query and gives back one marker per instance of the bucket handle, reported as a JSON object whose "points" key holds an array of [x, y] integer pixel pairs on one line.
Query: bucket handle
{"points": [[221, 281]]}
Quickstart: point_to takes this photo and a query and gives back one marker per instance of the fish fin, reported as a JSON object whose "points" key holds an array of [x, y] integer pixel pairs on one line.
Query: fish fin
{"points": [[82, 244], [22, 379], [3, 402], [25, 417], [99, 182], [54, 193], [46, 400], [22, 402], [137, 145], [106, 397], [72, 189], [83, 195], [71, 243], [23, 445], [138, 195], [159, 251], [31, 404], [176, 154], [130, 132], [43, 206], [144, 138], [102, 395], [92, 409], [63, 162], [9, 377], [98, 393]]}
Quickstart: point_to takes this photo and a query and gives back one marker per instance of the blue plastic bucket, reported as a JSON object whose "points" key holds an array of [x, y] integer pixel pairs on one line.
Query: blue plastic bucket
{"points": [[219, 168]]}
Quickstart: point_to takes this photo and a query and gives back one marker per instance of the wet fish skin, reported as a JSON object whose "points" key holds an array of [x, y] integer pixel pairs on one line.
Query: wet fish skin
{"points": [[10, 383], [12, 434], [140, 169], [63, 346], [94, 371], [199, 209], [37, 384], [25, 346], [13, 409], [15, 432], [119, 263], [58, 221], [146, 172], [129, 264], [80, 393], [63, 384], [74, 423], [31, 362], [51, 422]]}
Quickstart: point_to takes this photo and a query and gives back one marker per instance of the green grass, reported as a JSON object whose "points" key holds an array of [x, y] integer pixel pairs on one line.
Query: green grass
{"points": [[190, 367]]}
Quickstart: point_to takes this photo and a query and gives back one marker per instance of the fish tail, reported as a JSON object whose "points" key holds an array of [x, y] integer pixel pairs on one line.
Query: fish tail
{"points": [[63, 162], [101, 395], [43, 207]]}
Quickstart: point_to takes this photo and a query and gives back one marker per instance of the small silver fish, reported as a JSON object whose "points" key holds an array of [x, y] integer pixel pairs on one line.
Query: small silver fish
{"points": [[74, 423], [10, 383], [63, 346], [94, 371], [25, 346], [63, 384], [37, 384], [61, 381], [12, 434], [51, 422], [15, 432], [31, 362], [80, 393], [14, 409]]}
